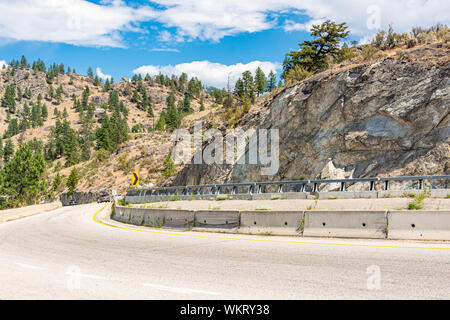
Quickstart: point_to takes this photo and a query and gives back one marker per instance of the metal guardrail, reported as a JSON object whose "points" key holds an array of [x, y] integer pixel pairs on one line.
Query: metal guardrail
{"points": [[257, 187]]}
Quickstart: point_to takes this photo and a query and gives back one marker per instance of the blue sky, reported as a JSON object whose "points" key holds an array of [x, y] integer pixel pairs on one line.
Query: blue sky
{"points": [[207, 39]]}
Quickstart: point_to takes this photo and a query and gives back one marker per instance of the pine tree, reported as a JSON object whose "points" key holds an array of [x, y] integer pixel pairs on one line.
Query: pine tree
{"points": [[260, 81], [8, 150], [313, 54], [135, 97], [113, 101], [57, 182], [161, 124], [238, 88], [169, 168], [90, 73], [51, 92], [24, 63], [24, 175], [85, 97], [271, 82], [9, 99], [44, 112], [103, 135], [187, 104], [248, 85], [58, 95], [172, 118], [72, 180]]}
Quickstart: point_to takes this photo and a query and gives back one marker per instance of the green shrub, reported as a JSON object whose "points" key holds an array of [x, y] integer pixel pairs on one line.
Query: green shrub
{"points": [[415, 205], [122, 203], [221, 197], [370, 52]]}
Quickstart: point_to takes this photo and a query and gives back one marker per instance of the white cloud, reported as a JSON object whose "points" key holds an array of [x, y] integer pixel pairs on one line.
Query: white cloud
{"points": [[212, 20], [165, 50], [82, 22], [77, 22], [101, 75], [210, 73], [3, 63]]}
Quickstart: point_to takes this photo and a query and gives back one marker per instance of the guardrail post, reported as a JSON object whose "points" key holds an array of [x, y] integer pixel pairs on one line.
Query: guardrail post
{"points": [[200, 191], [250, 189], [219, 191], [213, 190], [302, 187], [386, 185], [233, 191], [342, 186], [373, 186], [420, 185], [280, 189], [316, 187]]}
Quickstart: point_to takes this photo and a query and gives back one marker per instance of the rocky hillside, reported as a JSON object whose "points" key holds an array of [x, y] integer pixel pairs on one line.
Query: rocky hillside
{"points": [[384, 117], [388, 117]]}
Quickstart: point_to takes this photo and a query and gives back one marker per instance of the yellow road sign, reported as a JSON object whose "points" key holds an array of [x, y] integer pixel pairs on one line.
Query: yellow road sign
{"points": [[135, 179]]}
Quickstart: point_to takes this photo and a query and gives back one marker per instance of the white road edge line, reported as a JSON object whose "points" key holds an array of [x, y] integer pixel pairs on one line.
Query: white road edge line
{"points": [[83, 275], [29, 266], [179, 290]]}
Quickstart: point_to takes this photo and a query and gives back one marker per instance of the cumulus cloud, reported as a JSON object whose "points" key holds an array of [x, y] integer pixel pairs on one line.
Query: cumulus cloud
{"points": [[213, 20], [77, 22], [101, 75], [210, 73], [82, 22]]}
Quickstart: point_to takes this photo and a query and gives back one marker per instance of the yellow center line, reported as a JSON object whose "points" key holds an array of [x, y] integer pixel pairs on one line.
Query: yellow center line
{"points": [[260, 240]]}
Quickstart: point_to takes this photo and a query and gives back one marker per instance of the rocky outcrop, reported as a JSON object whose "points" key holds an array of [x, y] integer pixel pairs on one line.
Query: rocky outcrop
{"points": [[383, 118], [81, 197]]}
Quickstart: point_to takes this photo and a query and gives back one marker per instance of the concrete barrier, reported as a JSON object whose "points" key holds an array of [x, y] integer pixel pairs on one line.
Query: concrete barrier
{"points": [[216, 220], [182, 219], [122, 214], [281, 196], [407, 225], [345, 224], [154, 218], [347, 195], [137, 216], [419, 225], [271, 222]]}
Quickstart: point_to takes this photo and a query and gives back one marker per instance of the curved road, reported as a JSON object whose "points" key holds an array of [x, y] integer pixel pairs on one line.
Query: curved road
{"points": [[66, 254]]}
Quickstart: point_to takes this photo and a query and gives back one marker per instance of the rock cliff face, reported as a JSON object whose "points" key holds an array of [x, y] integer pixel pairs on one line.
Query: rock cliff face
{"points": [[383, 118]]}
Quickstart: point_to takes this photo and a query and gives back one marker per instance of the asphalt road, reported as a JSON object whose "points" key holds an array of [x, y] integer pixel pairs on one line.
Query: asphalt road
{"points": [[66, 254]]}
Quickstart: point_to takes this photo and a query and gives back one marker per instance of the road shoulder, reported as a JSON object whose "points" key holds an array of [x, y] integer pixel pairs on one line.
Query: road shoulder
{"points": [[28, 211]]}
